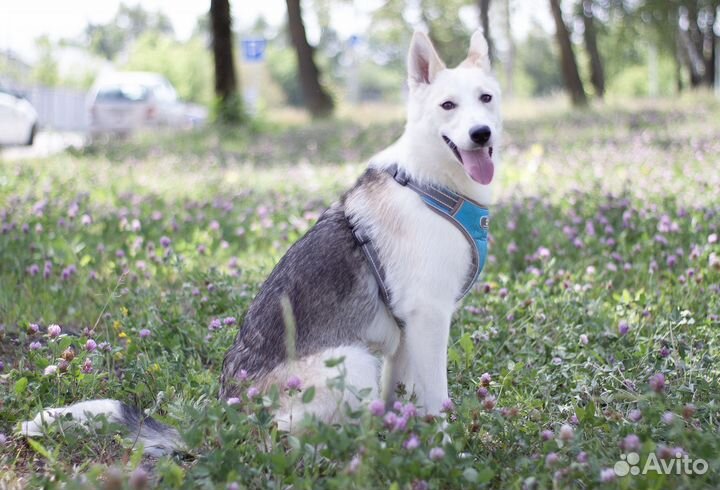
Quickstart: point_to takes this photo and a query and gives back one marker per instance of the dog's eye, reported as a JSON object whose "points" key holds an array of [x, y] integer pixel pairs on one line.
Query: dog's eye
{"points": [[448, 105], [485, 98]]}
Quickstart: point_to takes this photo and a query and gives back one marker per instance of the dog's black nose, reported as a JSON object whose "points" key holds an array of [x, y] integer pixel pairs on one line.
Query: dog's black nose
{"points": [[480, 134]]}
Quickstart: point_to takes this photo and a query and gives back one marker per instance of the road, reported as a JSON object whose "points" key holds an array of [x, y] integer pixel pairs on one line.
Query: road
{"points": [[46, 143]]}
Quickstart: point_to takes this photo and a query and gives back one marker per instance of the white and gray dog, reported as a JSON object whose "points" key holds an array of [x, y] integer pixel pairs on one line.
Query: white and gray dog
{"points": [[377, 279]]}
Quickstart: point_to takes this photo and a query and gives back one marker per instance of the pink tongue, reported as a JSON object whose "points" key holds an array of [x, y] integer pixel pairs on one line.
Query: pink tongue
{"points": [[478, 165]]}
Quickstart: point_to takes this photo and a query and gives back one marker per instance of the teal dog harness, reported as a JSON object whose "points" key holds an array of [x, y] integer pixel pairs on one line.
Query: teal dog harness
{"points": [[472, 219]]}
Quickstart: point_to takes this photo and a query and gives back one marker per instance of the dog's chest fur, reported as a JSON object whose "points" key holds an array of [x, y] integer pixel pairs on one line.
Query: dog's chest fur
{"points": [[427, 260]]}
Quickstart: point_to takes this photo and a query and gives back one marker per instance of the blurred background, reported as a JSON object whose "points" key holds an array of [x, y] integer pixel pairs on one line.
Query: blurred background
{"points": [[69, 70]]}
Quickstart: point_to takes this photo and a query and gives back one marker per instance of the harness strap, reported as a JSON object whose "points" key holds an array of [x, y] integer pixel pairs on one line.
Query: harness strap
{"points": [[451, 206], [373, 259], [443, 199]]}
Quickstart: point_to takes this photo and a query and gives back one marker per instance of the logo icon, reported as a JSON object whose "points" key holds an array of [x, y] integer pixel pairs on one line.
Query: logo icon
{"points": [[628, 465]]}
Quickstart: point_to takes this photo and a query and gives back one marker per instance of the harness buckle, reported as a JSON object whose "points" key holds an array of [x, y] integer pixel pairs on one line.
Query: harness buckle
{"points": [[360, 237], [400, 176]]}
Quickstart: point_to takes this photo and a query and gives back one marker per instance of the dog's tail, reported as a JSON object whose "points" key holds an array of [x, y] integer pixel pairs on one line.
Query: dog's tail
{"points": [[157, 439]]}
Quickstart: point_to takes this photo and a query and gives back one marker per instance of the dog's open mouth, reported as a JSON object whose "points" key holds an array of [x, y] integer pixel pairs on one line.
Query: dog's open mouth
{"points": [[477, 163]]}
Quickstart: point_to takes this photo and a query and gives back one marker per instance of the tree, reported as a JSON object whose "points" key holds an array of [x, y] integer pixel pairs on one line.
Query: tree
{"points": [[444, 27], [712, 39], [537, 60], [46, 69], [682, 29], [484, 6], [190, 71], [229, 109], [106, 40], [129, 23], [573, 84], [597, 75], [393, 24], [316, 98], [701, 20], [510, 56]]}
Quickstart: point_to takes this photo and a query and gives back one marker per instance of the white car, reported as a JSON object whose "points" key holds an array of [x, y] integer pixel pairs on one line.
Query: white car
{"points": [[18, 120], [123, 102]]}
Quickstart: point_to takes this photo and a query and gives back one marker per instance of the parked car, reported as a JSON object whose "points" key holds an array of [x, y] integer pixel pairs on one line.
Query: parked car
{"points": [[124, 102], [18, 120]]}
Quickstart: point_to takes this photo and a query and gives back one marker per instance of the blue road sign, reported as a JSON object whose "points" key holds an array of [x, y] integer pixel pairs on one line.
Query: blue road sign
{"points": [[254, 50]]}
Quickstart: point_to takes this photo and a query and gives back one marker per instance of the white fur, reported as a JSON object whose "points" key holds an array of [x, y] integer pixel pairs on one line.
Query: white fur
{"points": [[154, 443], [426, 258], [420, 149], [78, 411], [382, 336], [361, 370]]}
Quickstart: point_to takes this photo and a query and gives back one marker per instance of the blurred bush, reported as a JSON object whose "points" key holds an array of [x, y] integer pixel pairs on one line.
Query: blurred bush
{"points": [[188, 65], [282, 65], [538, 72], [633, 80]]}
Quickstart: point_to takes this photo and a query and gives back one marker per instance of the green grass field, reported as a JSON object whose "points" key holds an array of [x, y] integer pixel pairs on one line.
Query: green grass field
{"points": [[593, 332]]}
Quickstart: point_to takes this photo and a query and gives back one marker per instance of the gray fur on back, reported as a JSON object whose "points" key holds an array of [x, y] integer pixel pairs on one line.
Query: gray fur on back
{"points": [[331, 290]]}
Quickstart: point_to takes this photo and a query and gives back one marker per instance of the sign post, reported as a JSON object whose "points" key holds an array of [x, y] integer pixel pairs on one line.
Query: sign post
{"points": [[253, 50], [717, 66], [353, 81]]}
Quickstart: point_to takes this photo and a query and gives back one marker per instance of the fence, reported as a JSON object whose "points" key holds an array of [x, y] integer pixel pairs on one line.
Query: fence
{"points": [[59, 109]]}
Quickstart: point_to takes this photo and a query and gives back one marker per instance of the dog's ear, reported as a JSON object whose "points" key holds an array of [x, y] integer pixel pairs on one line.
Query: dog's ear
{"points": [[423, 61], [478, 54]]}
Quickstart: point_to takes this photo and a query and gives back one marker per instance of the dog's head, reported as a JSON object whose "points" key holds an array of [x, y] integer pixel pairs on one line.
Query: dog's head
{"points": [[459, 108]]}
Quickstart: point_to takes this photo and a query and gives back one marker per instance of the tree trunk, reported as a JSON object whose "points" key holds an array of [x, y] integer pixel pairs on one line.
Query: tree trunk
{"points": [[573, 84], [710, 46], [694, 59], [484, 6], [710, 63], [317, 100], [694, 45], [597, 76], [510, 58], [678, 61], [230, 106]]}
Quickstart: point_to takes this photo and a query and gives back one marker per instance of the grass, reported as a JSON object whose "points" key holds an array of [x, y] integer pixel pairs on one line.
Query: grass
{"points": [[594, 331]]}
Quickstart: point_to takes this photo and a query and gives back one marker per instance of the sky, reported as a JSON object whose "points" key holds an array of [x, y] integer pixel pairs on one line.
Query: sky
{"points": [[22, 21]]}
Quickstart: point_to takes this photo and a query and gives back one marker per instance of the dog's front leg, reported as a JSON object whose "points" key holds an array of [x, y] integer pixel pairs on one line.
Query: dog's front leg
{"points": [[420, 361]]}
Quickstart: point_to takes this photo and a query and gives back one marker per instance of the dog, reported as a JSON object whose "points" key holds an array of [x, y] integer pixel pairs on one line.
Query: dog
{"points": [[376, 281]]}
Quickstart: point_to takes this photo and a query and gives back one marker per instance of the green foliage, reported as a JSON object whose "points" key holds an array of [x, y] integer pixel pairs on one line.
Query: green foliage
{"points": [[129, 23], [380, 82], [394, 22], [619, 46], [539, 65], [13, 69], [446, 29], [605, 217], [282, 65], [187, 65], [633, 80], [46, 69], [388, 35], [79, 79], [283, 69], [229, 111]]}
